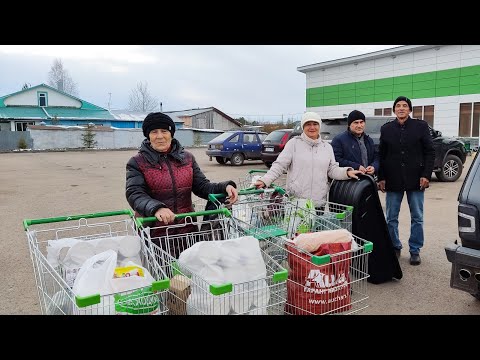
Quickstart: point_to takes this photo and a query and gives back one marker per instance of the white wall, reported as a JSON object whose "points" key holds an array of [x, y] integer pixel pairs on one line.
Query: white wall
{"points": [[446, 57], [30, 98], [116, 139]]}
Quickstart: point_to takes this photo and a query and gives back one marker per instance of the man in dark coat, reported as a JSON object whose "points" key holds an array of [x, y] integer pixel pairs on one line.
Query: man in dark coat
{"points": [[160, 180], [406, 163], [354, 148]]}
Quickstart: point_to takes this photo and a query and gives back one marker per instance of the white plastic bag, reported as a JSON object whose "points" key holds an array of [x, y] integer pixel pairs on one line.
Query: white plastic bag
{"points": [[96, 274], [238, 261]]}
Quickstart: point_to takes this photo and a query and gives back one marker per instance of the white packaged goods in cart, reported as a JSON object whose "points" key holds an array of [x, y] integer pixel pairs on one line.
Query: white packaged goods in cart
{"points": [[330, 278], [219, 270], [93, 266]]}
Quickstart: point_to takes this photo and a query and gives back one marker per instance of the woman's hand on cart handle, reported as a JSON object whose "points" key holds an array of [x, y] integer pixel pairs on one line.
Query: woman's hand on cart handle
{"points": [[166, 215], [259, 184], [232, 194]]}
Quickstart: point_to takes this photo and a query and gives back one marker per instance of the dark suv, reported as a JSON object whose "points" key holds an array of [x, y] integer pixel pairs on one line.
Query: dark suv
{"points": [[465, 259], [450, 153], [236, 146]]}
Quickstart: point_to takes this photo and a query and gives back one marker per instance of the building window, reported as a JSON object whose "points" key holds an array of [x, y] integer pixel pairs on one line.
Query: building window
{"points": [[417, 112], [22, 126], [42, 99], [428, 114], [469, 120], [383, 112], [424, 113]]}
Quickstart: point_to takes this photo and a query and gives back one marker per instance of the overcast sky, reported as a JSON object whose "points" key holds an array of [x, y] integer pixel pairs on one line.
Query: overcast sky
{"points": [[259, 82]]}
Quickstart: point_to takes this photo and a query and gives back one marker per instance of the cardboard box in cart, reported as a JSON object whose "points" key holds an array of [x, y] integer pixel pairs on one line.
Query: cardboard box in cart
{"points": [[179, 292]]}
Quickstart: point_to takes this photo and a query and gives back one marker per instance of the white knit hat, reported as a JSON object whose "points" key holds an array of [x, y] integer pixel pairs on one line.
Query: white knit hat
{"points": [[311, 116]]}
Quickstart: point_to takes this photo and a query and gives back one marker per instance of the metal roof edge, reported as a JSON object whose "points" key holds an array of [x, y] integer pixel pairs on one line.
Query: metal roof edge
{"points": [[398, 50]]}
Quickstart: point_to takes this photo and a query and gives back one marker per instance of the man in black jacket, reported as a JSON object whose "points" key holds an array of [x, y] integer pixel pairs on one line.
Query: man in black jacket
{"points": [[354, 148], [406, 163]]}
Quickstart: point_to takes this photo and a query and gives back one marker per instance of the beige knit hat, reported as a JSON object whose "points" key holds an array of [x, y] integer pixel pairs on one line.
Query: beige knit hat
{"points": [[311, 116]]}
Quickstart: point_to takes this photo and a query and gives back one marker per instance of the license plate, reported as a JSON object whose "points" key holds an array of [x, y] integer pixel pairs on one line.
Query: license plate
{"points": [[268, 149]]}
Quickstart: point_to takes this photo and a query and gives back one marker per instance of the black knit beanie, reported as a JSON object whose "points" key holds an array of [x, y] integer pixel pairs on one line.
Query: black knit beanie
{"points": [[355, 115], [402, 98], [158, 120]]}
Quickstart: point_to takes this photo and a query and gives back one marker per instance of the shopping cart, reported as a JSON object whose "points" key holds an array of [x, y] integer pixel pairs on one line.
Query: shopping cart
{"points": [[338, 214], [247, 181], [318, 284], [54, 279], [192, 293]]}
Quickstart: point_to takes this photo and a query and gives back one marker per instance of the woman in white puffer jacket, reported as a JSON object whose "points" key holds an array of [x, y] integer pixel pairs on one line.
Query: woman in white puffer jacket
{"points": [[309, 162]]}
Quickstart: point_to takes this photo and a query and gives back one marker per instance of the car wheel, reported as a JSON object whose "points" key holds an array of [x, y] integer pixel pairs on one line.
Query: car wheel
{"points": [[451, 169], [237, 159], [220, 160]]}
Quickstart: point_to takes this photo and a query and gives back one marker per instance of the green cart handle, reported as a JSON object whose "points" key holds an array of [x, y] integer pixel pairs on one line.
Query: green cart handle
{"points": [[257, 171], [226, 212], [28, 222], [249, 191]]}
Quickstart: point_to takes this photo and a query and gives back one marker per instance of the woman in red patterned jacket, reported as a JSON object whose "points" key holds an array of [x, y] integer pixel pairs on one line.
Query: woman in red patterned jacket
{"points": [[162, 176]]}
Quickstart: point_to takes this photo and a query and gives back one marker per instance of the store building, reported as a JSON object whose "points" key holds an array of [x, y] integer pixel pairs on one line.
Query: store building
{"points": [[443, 82]]}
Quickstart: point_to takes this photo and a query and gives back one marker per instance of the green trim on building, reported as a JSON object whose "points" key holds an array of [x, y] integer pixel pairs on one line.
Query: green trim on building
{"points": [[82, 113], [451, 82], [22, 112], [89, 106]]}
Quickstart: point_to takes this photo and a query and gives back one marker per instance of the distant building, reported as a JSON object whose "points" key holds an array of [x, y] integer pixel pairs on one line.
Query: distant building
{"points": [[43, 103], [204, 118]]}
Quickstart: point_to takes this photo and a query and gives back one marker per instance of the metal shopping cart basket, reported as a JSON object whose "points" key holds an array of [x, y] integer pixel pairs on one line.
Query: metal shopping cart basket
{"points": [[338, 214], [91, 234], [331, 280], [247, 181], [192, 291]]}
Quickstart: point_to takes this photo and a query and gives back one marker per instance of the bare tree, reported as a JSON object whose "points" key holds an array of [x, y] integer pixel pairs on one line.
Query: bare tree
{"points": [[59, 78], [141, 100], [26, 86]]}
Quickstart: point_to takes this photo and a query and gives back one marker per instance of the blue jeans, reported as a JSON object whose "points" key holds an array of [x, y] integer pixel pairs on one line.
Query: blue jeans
{"points": [[415, 203]]}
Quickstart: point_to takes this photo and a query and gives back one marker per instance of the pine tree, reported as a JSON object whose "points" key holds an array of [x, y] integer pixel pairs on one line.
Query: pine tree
{"points": [[88, 137]]}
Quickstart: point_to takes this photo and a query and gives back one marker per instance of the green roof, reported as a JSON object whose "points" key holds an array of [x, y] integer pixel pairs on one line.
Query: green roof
{"points": [[22, 112], [64, 113]]}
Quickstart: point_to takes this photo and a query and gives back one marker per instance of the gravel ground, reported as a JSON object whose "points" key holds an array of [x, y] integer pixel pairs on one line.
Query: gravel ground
{"points": [[47, 184]]}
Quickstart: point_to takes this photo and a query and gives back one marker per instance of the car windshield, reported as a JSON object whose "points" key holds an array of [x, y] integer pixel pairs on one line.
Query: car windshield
{"points": [[275, 136], [223, 137], [331, 128]]}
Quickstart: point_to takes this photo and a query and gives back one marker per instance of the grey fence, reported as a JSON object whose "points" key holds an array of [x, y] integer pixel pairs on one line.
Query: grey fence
{"points": [[11, 140]]}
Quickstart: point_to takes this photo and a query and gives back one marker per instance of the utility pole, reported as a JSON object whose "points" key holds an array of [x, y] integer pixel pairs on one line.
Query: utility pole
{"points": [[161, 105]]}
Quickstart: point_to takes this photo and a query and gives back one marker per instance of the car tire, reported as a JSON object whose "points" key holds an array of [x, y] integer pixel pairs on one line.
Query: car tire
{"points": [[220, 160], [451, 169], [237, 159]]}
